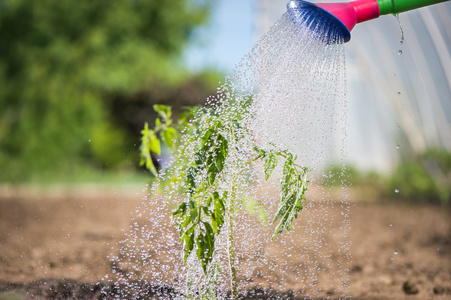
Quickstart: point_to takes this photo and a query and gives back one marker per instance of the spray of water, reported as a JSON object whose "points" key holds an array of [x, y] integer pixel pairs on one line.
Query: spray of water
{"points": [[289, 93]]}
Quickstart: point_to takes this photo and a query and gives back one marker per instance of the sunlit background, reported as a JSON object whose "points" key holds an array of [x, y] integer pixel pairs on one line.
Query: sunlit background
{"points": [[399, 84], [391, 83], [78, 81]]}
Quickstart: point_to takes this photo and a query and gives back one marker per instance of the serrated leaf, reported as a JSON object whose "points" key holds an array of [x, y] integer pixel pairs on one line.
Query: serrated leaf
{"points": [[205, 246], [283, 206], [293, 187], [211, 173], [270, 164], [150, 166], [218, 213], [221, 153], [209, 234], [168, 135], [191, 178], [201, 251], [188, 239], [154, 143]]}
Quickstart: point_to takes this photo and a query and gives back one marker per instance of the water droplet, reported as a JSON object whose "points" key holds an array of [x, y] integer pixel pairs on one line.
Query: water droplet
{"points": [[398, 146], [317, 134], [399, 127], [397, 191], [401, 42], [396, 252], [391, 258], [391, 225], [89, 140], [399, 52], [399, 93]]}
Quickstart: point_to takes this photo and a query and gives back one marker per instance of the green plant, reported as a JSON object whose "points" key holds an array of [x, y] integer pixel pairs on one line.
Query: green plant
{"points": [[211, 162], [165, 129], [427, 177]]}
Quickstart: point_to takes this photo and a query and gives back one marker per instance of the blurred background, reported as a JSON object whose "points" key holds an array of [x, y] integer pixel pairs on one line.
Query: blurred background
{"points": [[78, 81]]}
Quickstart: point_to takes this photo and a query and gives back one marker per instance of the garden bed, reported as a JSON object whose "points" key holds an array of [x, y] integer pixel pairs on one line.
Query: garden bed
{"points": [[56, 246]]}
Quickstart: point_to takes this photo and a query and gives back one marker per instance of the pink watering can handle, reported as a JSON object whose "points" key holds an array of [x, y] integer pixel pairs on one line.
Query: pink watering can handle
{"points": [[351, 13]]}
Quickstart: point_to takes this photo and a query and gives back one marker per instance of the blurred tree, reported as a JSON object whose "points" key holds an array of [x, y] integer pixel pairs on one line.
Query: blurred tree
{"points": [[63, 64]]}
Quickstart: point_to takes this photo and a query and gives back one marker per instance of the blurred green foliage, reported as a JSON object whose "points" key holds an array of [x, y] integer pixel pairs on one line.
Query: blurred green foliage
{"points": [[75, 76], [348, 175], [422, 178], [426, 178]]}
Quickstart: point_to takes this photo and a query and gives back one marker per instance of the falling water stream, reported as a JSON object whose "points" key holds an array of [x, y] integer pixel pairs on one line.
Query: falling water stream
{"points": [[288, 91]]}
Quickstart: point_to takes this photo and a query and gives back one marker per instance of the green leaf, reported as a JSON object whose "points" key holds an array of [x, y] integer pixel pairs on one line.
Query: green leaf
{"points": [[188, 239], [193, 215], [183, 117], [164, 111], [205, 246], [221, 152], [270, 164], [209, 235], [211, 173], [168, 135], [187, 113], [293, 186], [209, 200], [200, 158], [206, 211], [218, 213], [151, 167], [154, 143], [206, 136], [284, 206], [201, 249], [180, 210], [191, 179]]}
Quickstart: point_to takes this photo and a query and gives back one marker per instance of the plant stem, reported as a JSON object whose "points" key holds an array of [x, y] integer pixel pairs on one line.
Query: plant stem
{"points": [[233, 278]]}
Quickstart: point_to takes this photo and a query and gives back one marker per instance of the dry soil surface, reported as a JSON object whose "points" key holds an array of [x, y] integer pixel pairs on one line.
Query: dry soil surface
{"points": [[54, 244]]}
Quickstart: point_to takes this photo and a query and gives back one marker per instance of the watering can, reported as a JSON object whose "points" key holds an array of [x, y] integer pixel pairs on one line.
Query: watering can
{"points": [[344, 16]]}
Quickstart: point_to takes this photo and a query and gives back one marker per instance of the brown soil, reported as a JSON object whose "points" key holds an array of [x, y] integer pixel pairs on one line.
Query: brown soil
{"points": [[55, 245]]}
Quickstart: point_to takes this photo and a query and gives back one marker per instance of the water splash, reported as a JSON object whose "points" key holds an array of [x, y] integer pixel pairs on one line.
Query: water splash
{"points": [[290, 91]]}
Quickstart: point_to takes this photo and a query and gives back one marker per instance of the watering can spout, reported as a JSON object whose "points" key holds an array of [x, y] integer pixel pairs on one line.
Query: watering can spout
{"points": [[344, 16]]}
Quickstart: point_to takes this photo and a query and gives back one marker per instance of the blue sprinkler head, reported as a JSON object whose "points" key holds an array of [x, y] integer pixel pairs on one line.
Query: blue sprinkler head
{"points": [[318, 19]]}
